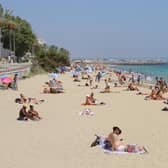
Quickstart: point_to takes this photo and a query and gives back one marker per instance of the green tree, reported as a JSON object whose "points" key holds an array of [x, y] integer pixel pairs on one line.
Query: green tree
{"points": [[24, 36], [19, 30], [52, 57], [1, 10]]}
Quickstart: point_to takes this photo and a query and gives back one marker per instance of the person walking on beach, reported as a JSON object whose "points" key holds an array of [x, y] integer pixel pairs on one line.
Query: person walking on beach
{"points": [[107, 86], [132, 79], [139, 79], [98, 77], [15, 82]]}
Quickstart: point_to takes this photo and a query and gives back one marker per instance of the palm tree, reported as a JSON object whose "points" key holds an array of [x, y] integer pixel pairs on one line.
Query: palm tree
{"points": [[6, 22], [11, 26]]}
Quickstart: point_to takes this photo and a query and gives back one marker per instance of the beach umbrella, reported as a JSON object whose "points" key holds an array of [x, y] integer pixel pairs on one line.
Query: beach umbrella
{"points": [[148, 78], [6, 80], [126, 74], [75, 73], [78, 69], [64, 68], [53, 75], [88, 69]]}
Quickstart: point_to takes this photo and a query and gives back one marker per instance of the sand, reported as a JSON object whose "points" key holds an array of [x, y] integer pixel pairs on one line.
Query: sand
{"points": [[62, 138]]}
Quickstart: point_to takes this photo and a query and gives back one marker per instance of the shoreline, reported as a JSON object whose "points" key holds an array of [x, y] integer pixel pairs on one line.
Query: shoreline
{"points": [[120, 62]]}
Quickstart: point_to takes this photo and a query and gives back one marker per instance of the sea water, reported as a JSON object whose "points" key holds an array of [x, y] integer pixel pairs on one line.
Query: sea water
{"points": [[152, 71]]}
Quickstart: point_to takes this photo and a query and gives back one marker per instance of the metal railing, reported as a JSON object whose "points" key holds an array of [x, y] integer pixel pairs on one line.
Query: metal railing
{"points": [[20, 68]]}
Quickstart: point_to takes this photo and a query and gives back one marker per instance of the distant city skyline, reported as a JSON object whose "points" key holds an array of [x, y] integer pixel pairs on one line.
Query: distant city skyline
{"points": [[96, 28]]}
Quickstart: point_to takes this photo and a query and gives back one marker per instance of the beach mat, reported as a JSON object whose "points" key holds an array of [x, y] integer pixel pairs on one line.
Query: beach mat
{"points": [[110, 92], [109, 151]]}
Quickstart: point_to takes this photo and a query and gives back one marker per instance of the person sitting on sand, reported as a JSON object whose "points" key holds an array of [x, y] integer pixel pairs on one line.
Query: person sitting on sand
{"points": [[89, 80], [107, 87], [90, 100], [46, 90], [49, 84], [32, 114], [132, 88], [159, 95], [22, 99], [110, 80], [156, 94], [23, 113], [117, 145], [76, 79]]}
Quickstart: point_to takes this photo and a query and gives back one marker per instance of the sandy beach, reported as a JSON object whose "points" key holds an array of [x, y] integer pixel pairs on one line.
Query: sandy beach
{"points": [[62, 138]]}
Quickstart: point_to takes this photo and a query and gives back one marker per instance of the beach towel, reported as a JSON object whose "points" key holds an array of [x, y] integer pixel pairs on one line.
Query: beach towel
{"points": [[109, 151], [110, 92], [86, 112], [96, 104], [83, 104]]}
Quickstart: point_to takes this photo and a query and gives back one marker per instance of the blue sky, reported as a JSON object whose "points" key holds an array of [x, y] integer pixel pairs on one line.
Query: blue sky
{"points": [[99, 28]]}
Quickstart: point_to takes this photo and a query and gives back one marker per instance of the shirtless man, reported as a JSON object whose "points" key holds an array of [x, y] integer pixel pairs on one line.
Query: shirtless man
{"points": [[132, 88], [114, 139], [32, 114], [117, 145], [23, 113]]}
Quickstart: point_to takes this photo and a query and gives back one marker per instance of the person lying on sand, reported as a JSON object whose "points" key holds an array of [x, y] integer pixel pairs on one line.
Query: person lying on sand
{"points": [[117, 85], [166, 101], [95, 87], [23, 100], [32, 114], [56, 90], [52, 90], [165, 109], [140, 93]]}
